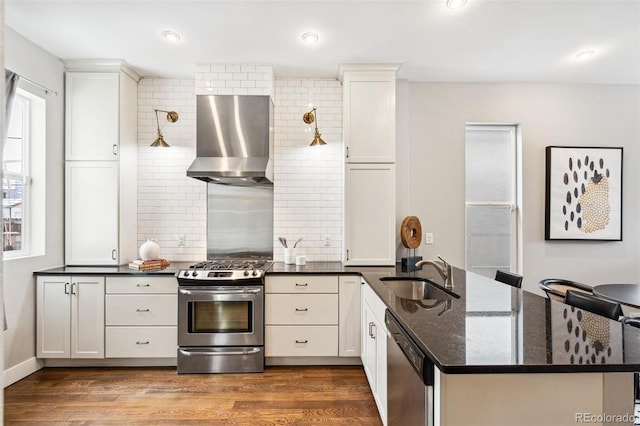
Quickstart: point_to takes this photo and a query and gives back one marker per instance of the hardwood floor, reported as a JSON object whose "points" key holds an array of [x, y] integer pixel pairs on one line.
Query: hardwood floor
{"points": [[279, 396]]}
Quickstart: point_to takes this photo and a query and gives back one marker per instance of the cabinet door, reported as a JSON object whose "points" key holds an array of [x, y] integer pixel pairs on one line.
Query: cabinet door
{"points": [[91, 116], [349, 315], [91, 220], [370, 116], [53, 316], [370, 237], [380, 331], [369, 346], [87, 317]]}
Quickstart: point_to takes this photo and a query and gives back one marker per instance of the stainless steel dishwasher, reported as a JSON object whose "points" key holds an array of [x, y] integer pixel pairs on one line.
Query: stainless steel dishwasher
{"points": [[409, 379]]}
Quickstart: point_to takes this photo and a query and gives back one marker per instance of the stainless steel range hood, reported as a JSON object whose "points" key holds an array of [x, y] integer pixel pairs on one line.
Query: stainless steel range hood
{"points": [[234, 138]]}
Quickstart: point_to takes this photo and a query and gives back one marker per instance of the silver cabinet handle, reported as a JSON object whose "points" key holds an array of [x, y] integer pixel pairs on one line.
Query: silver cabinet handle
{"points": [[347, 254], [113, 254], [73, 285], [115, 149], [142, 310], [142, 343], [347, 152], [373, 334], [302, 285], [371, 325], [302, 309], [142, 285], [66, 288], [302, 341]]}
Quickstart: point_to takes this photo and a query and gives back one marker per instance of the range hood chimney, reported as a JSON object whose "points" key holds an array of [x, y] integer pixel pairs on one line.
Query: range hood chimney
{"points": [[233, 140]]}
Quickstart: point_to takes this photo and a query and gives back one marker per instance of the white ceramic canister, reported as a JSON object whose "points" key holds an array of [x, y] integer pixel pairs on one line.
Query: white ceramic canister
{"points": [[290, 255]]}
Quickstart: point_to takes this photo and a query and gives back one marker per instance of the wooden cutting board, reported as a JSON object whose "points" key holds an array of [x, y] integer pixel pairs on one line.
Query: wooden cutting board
{"points": [[411, 232]]}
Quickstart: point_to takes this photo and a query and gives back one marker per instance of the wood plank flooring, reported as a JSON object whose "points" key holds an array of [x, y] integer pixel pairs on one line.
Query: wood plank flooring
{"points": [[125, 396]]}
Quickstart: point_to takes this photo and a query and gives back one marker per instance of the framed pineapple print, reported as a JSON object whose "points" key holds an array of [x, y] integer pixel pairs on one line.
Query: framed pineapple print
{"points": [[583, 193]]}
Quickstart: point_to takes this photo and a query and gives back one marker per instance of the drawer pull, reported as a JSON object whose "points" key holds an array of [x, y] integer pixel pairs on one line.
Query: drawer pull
{"points": [[301, 309], [142, 285], [302, 341], [142, 343], [302, 285], [142, 310]]}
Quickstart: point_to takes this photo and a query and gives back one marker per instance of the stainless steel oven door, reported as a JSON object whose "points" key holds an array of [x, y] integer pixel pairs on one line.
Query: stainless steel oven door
{"points": [[221, 316]]}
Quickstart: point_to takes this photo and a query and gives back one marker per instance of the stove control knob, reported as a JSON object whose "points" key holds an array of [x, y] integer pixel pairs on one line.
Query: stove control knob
{"points": [[194, 274], [186, 273], [246, 273], [254, 273]]}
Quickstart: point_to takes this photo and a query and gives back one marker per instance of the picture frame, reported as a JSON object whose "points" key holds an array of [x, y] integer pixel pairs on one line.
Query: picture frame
{"points": [[583, 193]]}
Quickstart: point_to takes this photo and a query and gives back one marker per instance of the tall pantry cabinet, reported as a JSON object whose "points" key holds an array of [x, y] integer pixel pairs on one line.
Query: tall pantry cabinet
{"points": [[369, 115], [101, 163]]}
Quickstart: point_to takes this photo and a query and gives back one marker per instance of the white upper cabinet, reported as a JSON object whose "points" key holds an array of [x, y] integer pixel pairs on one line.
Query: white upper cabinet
{"points": [[369, 102], [91, 219], [92, 108], [370, 212], [101, 102]]}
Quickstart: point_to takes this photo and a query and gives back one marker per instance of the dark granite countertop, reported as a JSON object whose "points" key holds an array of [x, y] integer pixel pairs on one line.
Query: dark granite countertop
{"points": [[495, 328], [491, 328], [110, 270]]}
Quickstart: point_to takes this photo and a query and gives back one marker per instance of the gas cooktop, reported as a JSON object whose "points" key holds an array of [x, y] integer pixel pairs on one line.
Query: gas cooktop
{"points": [[225, 269]]}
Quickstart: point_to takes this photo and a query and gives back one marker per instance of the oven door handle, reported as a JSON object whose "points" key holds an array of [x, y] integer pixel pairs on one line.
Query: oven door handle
{"points": [[217, 292], [201, 352]]}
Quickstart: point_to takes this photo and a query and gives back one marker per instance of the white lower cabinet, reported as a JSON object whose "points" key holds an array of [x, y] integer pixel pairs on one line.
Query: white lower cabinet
{"points": [[301, 316], [374, 347], [141, 317], [349, 311], [70, 316], [310, 315], [296, 340]]}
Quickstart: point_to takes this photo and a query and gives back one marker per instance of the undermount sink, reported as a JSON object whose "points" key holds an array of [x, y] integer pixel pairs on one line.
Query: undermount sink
{"points": [[416, 289]]}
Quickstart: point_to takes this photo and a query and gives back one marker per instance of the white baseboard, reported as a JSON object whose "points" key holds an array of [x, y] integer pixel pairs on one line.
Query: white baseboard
{"points": [[22, 370]]}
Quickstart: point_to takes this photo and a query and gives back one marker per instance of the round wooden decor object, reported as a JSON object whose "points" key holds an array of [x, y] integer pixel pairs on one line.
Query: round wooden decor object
{"points": [[411, 232]]}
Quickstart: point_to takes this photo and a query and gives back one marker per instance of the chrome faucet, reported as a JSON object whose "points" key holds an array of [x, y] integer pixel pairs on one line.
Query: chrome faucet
{"points": [[444, 270]]}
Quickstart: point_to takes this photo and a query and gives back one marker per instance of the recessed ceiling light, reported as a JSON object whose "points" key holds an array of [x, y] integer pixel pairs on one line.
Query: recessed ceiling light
{"points": [[456, 4], [585, 54], [171, 36], [310, 37]]}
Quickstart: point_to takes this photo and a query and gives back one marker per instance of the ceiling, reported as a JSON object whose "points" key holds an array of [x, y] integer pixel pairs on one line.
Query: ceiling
{"points": [[485, 41]]}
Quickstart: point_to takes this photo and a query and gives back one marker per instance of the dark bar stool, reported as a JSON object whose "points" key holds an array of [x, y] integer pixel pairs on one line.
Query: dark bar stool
{"points": [[594, 304], [510, 278], [634, 322], [556, 288]]}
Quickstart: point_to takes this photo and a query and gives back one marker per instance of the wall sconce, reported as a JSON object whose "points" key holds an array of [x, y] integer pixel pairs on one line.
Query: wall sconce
{"points": [[172, 117], [310, 117]]}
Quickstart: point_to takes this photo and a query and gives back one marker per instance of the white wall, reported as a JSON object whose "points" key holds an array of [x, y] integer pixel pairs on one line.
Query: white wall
{"points": [[549, 114], [37, 65]]}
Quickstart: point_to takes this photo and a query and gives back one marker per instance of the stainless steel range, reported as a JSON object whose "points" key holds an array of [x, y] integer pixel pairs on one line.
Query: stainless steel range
{"points": [[221, 316]]}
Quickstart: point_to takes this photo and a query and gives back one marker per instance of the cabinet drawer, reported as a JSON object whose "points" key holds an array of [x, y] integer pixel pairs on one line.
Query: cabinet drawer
{"points": [[141, 342], [313, 340], [294, 309], [142, 284], [141, 309], [302, 283]]}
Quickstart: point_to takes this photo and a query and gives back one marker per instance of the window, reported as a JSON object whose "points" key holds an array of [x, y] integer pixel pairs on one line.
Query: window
{"points": [[491, 199], [492, 241], [25, 130]]}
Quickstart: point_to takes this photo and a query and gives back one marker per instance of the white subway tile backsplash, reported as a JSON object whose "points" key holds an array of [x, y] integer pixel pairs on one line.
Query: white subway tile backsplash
{"points": [[308, 180]]}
